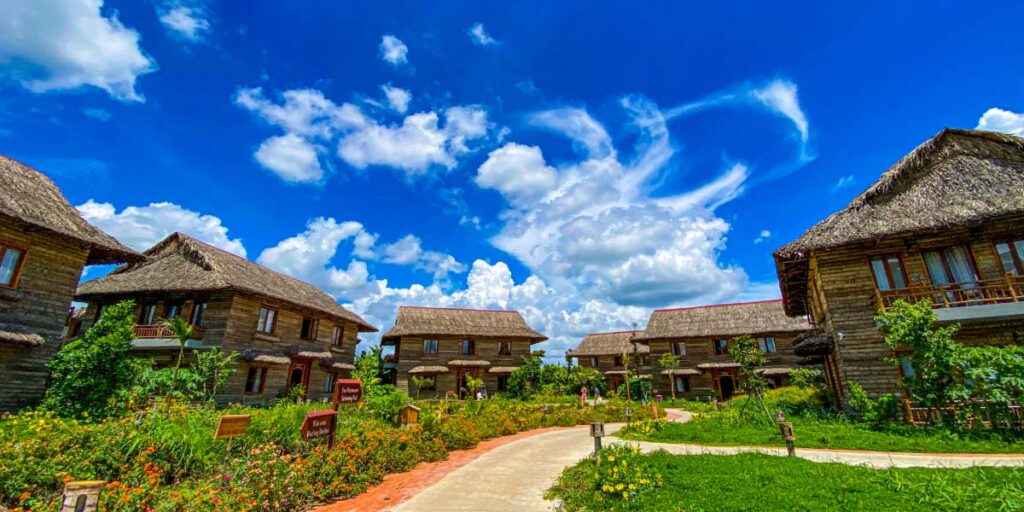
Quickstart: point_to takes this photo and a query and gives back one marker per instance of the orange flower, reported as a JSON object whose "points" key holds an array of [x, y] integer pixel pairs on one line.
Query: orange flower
{"points": [[24, 496]]}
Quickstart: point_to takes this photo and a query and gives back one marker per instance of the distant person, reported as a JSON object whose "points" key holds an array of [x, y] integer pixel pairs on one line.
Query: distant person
{"points": [[583, 396]]}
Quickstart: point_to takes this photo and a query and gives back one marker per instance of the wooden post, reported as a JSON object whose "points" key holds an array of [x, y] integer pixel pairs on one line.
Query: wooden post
{"points": [[1009, 286], [907, 413]]}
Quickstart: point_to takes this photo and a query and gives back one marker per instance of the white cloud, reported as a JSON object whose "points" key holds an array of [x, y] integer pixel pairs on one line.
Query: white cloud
{"points": [[308, 256], [97, 113], [304, 112], [54, 45], [844, 182], [780, 97], [764, 235], [413, 147], [188, 23], [393, 50], [577, 124], [480, 37], [291, 157], [398, 98], [140, 227], [999, 120], [408, 251], [517, 171]]}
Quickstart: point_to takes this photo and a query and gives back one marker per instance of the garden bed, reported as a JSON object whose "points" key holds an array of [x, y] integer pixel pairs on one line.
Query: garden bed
{"points": [[168, 459]]}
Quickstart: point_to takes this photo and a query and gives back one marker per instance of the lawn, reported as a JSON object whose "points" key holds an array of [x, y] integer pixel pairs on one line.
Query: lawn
{"points": [[815, 427], [763, 482]]}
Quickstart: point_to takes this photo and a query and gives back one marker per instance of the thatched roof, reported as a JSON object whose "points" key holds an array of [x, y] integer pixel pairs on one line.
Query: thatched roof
{"points": [[774, 371], [498, 323], [428, 369], [21, 338], [681, 371], [260, 356], [502, 369], [813, 343], [468, 362], [28, 196], [608, 344], [337, 364], [956, 178], [721, 320], [182, 263], [713, 366]]}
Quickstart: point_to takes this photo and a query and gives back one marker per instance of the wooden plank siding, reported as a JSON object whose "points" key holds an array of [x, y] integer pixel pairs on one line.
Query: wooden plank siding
{"points": [[843, 278], [38, 304], [701, 351], [230, 323], [409, 350], [606, 363]]}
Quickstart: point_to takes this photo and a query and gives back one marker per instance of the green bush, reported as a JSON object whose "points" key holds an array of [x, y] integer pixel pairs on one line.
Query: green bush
{"points": [[639, 389], [619, 475]]}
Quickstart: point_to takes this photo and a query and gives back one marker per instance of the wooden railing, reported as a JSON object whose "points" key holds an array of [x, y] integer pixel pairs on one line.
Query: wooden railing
{"points": [[935, 415], [160, 331], [974, 293]]}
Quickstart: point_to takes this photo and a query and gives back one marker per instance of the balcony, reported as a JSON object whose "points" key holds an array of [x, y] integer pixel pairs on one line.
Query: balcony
{"points": [[159, 331], [1001, 298]]}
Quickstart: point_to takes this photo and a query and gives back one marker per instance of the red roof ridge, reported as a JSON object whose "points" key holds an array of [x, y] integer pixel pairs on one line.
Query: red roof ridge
{"points": [[721, 305]]}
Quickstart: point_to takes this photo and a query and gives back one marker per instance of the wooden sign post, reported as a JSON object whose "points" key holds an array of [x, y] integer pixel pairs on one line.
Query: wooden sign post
{"points": [[409, 415], [229, 427], [347, 391], [82, 496], [597, 432], [319, 424]]}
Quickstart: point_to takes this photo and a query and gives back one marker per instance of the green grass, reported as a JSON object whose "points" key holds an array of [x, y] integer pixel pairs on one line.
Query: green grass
{"points": [[763, 482]]}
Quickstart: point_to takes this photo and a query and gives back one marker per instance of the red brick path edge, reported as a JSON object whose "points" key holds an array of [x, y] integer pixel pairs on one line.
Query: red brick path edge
{"points": [[400, 487]]}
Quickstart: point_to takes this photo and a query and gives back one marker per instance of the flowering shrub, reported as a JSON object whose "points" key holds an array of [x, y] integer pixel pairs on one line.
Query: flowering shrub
{"points": [[619, 474]]}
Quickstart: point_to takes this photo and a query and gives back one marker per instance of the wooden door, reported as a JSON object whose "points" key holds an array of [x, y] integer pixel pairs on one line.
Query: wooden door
{"points": [[460, 380], [298, 375]]}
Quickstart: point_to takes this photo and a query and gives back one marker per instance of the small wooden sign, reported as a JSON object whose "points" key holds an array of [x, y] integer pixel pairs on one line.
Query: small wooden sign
{"points": [[319, 424], [232, 425], [596, 429], [82, 496], [347, 391], [786, 429]]}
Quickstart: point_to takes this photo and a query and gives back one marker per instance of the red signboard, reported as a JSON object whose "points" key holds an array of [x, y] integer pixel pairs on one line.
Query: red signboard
{"points": [[347, 391], [319, 424]]}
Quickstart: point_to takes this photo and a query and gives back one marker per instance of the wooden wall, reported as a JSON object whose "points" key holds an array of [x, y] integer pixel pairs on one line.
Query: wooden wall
{"points": [[701, 350], [606, 362], [410, 355], [844, 280], [39, 304]]}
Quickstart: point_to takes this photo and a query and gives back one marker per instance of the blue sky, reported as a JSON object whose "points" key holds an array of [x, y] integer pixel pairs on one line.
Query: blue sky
{"points": [[583, 162]]}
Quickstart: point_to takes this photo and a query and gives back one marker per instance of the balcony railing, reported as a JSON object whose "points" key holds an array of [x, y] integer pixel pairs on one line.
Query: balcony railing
{"points": [[954, 295], [160, 331]]}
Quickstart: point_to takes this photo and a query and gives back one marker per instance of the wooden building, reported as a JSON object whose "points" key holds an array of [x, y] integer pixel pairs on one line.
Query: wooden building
{"points": [[44, 245], [946, 224], [447, 344], [701, 335], [288, 332], [603, 351]]}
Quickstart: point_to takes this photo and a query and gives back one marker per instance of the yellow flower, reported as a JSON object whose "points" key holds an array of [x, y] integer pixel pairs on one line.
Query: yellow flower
{"points": [[625, 495], [611, 458], [620, 487]]}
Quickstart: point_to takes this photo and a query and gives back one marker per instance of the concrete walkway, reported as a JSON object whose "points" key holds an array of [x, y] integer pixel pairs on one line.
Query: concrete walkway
{"points": [[513, 475]]}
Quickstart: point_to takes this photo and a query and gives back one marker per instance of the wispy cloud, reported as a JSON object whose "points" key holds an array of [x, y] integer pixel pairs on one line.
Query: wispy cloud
{"points": [[843, 182], [97, 113], [480, 37], [764, 235], [189, 23]]}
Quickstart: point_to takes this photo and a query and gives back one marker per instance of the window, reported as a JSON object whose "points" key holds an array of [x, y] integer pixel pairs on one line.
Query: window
{"points": [[337, 336], [678, 348], [468, 347], [173, 310], [329, 382], [147, 315], [11, 261], [618, 360], [593, 362], [255, 379], [1011, 254], [100, 308], [268, 321], [198, 312], [721, 347], [682, 383], [907, 367], [950, 265], [309, 328], [767, 345], [502, 382], [888, 272], [429, 346], [504, 348]]}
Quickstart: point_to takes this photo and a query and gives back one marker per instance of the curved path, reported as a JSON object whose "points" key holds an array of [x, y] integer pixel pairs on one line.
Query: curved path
{"points": [[511, 473]]}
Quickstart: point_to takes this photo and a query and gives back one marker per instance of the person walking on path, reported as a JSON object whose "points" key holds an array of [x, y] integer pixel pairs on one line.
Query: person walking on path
{"points": [[583, 396]]}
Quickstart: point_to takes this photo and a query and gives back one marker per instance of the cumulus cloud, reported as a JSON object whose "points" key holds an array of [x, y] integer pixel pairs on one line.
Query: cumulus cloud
{"points": [[141, 227], [393, 50], [398, 98], [189, 23], [999, 120], [408, 251], [54, 45], [291, 157], [480, 37], [310, 120], [517, 171]]}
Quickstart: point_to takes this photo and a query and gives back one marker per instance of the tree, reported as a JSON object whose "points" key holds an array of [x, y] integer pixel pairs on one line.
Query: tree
{"points": [[420, 383], [213, 369], [670, 363], [524, 381], [182, 330], [92, 375], [746, 352], [368, 368], [473, 384], [932, 351]]}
